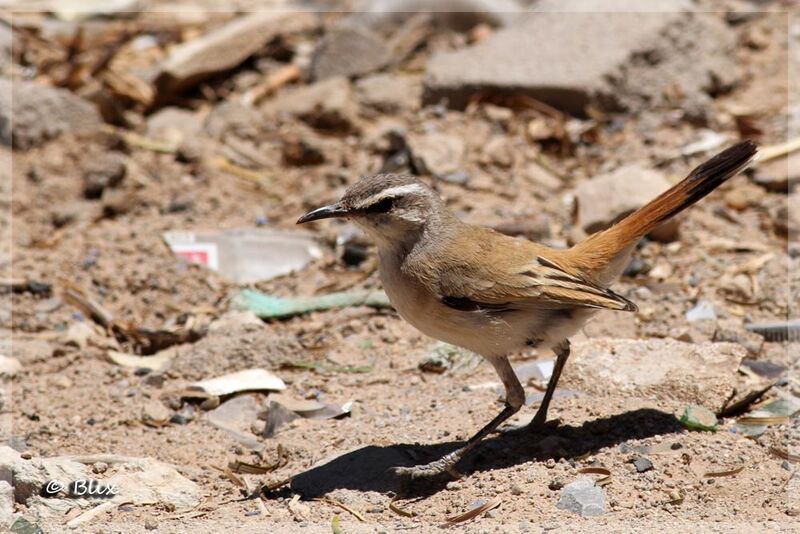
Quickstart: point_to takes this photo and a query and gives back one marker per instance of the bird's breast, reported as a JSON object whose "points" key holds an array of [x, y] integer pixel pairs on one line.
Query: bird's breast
{"points": [[420, 305]]}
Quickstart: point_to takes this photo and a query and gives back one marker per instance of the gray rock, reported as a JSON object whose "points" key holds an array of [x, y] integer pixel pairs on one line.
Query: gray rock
{"points": [[326, 105], [236, 417], [610, 60], [231, 118], [390, 92], [139, 481], [780, 174], [6, 505], [733, 331], [666, 369], [225, 48], [40, 113], [30, 476], [173, 125], [642, 465], [348, 50], [608, 198], [583, 497], [436, 154], [101, 171]]}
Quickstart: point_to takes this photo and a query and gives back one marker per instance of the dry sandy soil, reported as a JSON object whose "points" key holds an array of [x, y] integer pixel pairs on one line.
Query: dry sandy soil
{"points": [[70, 400]]}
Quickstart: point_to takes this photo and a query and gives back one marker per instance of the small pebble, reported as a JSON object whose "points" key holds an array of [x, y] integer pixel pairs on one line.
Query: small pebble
{"points": [[642, 465], [99, 467], [155, 380], [26, 455], [582, 497], [516, 489], [179, 419], [453, 485]]}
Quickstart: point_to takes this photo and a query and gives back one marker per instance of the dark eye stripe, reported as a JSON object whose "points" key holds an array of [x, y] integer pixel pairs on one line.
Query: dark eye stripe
{"points": [[382, 206]]}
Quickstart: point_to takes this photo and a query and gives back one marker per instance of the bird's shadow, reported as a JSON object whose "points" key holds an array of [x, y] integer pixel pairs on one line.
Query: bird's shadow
{"points": [[368, 468]]}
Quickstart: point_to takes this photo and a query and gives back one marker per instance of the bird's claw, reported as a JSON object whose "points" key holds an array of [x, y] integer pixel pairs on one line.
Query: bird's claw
{"points": [[445, 463]]}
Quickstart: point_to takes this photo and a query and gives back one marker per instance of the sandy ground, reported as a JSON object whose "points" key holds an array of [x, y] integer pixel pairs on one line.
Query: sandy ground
{"points": [[70, 400]]}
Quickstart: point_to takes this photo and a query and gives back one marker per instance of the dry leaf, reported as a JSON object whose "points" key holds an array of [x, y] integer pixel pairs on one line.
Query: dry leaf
{"points": [[728, 473], [399, 511], [475, 512]]}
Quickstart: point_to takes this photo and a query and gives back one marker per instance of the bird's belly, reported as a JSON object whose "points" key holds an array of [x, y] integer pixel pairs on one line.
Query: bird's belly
{"points": [[488, 334]]}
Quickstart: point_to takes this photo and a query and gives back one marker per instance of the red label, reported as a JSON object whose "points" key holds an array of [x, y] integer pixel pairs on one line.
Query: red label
{"points": [[194, 256]]}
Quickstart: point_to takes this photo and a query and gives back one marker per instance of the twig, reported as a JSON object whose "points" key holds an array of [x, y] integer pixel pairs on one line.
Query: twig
{"points": [[90, 514], [343, 507], [147, 143], [275, 80], [475, 512], [728, 473], [775, 151], [89, 307]]}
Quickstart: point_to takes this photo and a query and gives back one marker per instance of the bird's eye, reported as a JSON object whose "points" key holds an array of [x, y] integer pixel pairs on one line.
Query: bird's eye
{"points": [[381, 207]]}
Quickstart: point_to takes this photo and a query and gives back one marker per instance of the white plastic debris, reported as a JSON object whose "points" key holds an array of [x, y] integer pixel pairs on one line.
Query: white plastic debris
{"points": [[709, 140], [540, 370], [158, 362], [247, 380], [703, 311], [246, 256]]}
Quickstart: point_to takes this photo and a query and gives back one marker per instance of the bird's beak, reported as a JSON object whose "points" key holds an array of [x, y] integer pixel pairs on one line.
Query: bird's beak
{"points": [[325, 212]]}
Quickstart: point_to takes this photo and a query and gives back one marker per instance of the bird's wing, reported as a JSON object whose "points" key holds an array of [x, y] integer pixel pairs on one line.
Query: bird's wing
{"points": [[525, 276]]}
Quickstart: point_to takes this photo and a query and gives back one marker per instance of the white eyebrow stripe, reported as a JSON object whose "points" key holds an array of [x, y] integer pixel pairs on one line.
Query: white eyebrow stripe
{"points": [[392, 192]]}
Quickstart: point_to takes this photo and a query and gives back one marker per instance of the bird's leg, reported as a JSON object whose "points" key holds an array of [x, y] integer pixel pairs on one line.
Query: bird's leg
{"points": [[515, 398], [562, 353]]}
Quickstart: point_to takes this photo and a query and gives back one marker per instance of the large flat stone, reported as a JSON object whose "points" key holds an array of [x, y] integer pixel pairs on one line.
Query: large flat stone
{"points": [[666, 369], [226, 47], [571, 59]]}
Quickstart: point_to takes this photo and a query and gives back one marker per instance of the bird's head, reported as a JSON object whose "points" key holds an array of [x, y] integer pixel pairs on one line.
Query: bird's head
{"points": [[390, 208]]}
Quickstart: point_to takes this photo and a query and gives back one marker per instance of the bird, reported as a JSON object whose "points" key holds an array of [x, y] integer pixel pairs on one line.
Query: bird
{"points": [[493, 294]]}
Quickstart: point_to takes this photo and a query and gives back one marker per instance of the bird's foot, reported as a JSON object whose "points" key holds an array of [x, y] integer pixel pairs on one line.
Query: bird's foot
{"points": [[445, 463]]}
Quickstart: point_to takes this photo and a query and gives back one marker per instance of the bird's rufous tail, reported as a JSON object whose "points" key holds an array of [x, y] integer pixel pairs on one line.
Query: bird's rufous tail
{"points": [[601, 248]]}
